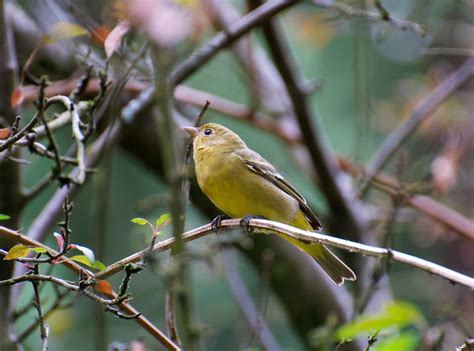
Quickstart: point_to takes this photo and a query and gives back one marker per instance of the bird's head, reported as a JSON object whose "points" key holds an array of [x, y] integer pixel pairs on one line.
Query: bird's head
{"points": [[211, 135]]}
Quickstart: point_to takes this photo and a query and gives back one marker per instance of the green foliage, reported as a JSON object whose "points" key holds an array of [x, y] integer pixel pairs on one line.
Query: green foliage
{"points": [[84, 260], [4, 217], [139, 221], [384, 329], [405, 341], [395, 315], [163, 220]]}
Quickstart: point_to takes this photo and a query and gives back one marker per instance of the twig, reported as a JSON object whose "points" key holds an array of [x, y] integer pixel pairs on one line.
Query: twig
{"points": [[44, 327], [379, 16], [40, 104], [423, 203], [223, 39], [241, 294], [421, 112], [270, 227], [448, 51], [126, 307], [77, 133]]}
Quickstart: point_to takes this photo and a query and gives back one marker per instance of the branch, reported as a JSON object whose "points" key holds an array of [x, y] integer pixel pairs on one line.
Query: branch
{"points": [[223, 39], [270, 227], [423, 203], [126, 307], [241, 294], [421, 112], [381, 15]]}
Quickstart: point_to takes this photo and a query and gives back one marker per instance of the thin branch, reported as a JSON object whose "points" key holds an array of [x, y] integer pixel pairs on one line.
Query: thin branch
{"points": [[421, 112], [126, 307], [423, 203], [270, 227], [77, 133], [223, 39], [44, 327], [381, 15], [250, 311]]}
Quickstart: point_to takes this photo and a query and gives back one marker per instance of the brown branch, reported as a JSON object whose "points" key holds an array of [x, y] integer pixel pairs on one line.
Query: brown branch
{"points": [[382, 15], [126, 307], [422, 111], [425, 204], [224, 39]]}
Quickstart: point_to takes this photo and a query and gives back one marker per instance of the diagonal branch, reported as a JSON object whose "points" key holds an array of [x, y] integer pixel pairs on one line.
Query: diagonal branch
{"points": [[421, 112], [223, 39]]}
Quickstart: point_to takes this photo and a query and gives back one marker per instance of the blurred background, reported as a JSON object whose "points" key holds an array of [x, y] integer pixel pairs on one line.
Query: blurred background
{"points": [[360, 75]]}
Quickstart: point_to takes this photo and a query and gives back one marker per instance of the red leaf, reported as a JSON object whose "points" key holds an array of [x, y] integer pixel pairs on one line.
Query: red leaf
{"points": [[17, 97], [60, 240], [4, 133], [99, 34], [104, 287]]}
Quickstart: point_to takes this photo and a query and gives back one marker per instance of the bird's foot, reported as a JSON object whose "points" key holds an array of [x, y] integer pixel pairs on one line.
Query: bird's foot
{"points": [[216, 222], [245, 223]]}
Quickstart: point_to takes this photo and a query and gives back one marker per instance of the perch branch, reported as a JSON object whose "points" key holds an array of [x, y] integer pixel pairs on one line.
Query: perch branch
{"points": [[270, 227]]}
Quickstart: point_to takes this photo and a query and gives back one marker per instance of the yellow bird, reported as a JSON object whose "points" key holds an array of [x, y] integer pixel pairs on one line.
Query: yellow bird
{"points": [[242, 183]]}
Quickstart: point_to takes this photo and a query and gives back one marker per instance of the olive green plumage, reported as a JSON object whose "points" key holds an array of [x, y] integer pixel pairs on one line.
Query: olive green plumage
{"points": [[240, 182]]}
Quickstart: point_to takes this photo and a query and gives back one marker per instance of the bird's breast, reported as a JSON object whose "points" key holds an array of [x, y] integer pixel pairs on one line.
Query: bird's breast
{"points": [[238, 191]]}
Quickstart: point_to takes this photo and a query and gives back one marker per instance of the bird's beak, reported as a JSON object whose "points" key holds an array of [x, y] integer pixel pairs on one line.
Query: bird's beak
{"points": [[193, 131]]}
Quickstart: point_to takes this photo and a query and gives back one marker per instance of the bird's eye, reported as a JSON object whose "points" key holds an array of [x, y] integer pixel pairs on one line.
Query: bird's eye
{"points": [[208, 131]]}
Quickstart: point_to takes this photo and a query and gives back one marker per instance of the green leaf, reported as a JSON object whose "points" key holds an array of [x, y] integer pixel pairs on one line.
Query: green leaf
{"points": [[40, 250], [99, 265], [82, 259], [395, 314], [4, 217], [164, 220], [63, 30], [140, 221], [17, 251], [406, 341]]}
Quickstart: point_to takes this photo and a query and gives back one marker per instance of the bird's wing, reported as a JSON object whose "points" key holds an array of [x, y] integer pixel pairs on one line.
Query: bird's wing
{"points": [[259, 165]]}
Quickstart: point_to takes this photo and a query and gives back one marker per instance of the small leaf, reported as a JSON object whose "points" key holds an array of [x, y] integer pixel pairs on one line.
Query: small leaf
{"points": [[104, 287], [406, 341], [59, 240], [395, 314], [164, 220], [5, 133], [63, 30], [82, 259], [115, 37], [4, 217], [17, 251], [40, 250], [140, 221], [99, 265], [17, 97], [85, 250], [99, 34]]}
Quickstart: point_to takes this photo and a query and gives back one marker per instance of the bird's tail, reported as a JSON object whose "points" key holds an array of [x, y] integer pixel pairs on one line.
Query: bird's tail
{"points": [[334, 267]]}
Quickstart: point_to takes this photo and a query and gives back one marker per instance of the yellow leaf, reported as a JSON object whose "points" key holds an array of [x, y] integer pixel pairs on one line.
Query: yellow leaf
{"points": [[63, 30], [17, 251]]}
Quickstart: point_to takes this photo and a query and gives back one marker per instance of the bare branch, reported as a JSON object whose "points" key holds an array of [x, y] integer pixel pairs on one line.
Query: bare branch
{"points": [[270, 227], [382, 15], [223, 39], [421, 112]]}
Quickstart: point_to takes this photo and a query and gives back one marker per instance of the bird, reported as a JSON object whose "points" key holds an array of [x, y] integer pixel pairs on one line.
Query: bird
{"points": [[242, 184]]}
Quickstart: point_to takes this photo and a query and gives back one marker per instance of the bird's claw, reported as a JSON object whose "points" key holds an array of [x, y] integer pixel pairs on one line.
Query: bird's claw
{"points": [[216, 222], [245, 223]]}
